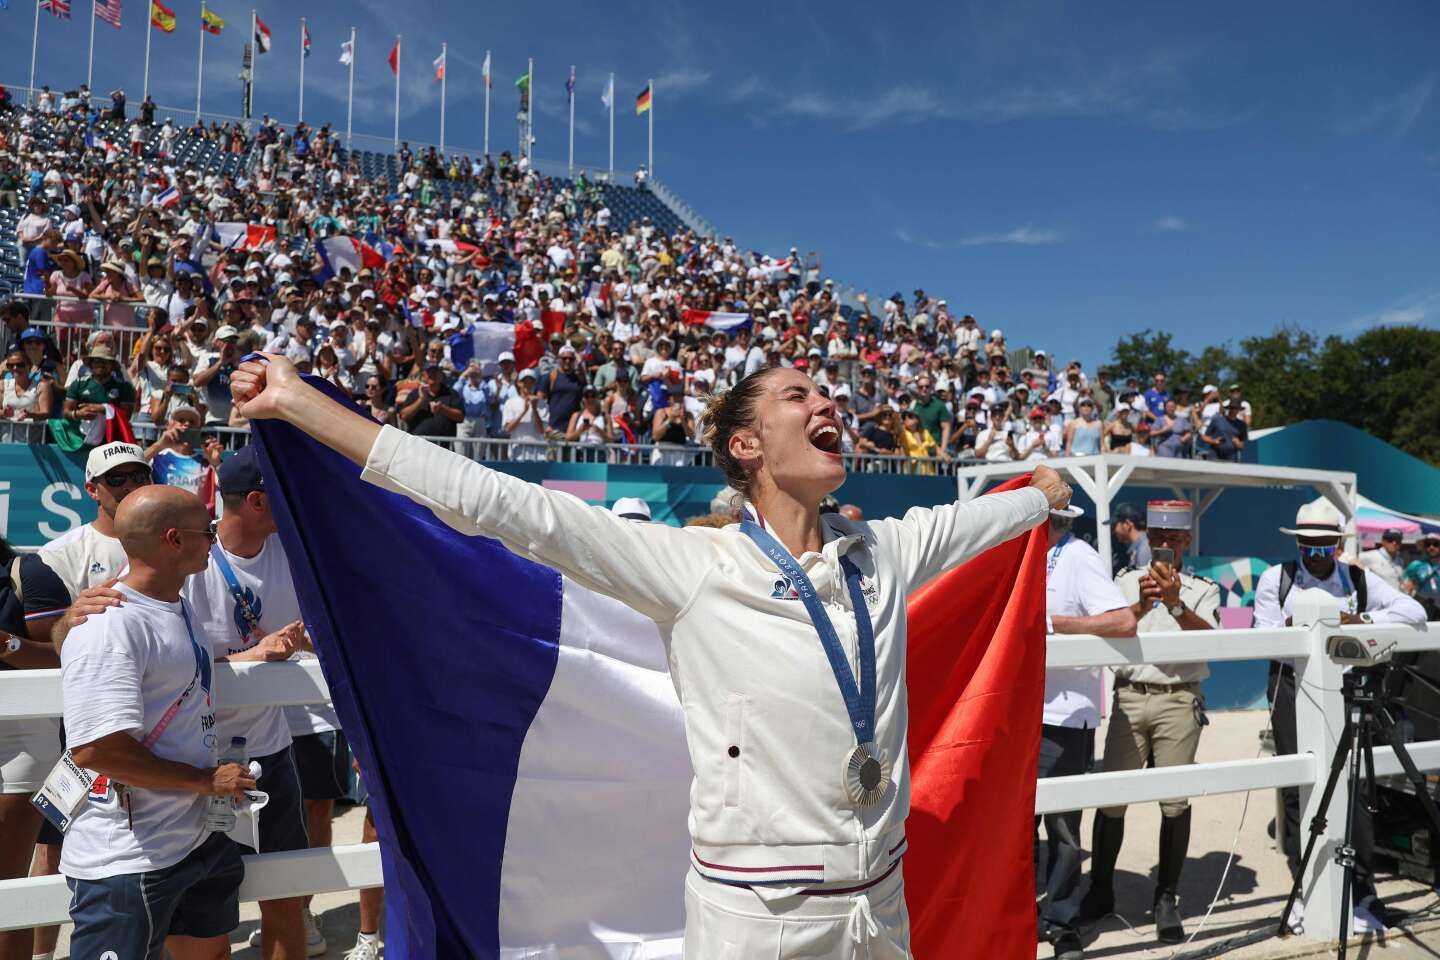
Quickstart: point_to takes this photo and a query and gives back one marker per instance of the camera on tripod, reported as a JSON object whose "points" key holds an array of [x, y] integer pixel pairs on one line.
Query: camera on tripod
{"points": [[1357, 651]]}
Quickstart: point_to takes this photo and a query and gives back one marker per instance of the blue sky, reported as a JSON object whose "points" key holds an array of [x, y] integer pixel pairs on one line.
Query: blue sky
{"points": [[1069, 172]]}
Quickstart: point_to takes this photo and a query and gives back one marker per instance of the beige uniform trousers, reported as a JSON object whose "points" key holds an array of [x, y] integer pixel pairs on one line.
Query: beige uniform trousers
{"points": [[1163, 724], [725, 922]]}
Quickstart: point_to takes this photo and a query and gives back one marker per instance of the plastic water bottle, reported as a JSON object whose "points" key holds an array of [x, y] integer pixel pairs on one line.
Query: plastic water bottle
{"points": [[220, 817]]}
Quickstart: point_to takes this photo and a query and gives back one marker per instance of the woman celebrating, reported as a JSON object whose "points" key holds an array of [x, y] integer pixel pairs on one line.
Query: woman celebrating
{"points": [[785, 636]]}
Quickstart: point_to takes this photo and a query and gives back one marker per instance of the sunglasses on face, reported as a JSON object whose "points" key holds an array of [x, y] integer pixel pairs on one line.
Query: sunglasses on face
{"points": [[210, 532], [115, 480], [1317, 552]]}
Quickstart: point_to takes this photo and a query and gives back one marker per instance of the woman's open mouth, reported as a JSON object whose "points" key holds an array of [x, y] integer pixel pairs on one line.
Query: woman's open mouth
{"points": [[826, 438]]}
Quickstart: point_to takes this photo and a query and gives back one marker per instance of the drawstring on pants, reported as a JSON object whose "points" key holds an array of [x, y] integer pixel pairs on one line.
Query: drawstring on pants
{"points": [[862, 921]]}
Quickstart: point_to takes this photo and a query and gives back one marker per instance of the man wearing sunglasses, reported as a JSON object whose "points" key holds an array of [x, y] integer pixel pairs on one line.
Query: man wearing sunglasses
{"points": [[1365, 598]]}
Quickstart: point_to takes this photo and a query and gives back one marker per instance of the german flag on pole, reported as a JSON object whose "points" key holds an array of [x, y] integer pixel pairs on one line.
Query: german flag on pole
{"points": [[642, 102], [162, 18]]}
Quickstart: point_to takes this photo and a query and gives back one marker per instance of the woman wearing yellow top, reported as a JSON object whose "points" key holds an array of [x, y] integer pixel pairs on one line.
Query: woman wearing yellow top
{"points": [[918, 444]]}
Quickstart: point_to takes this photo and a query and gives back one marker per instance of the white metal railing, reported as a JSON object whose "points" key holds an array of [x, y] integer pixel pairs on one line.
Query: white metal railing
{"points": [[1319, 721]]}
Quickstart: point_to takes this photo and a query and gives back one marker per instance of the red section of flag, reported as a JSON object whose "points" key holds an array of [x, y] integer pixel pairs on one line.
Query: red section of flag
{"points": [[394, 58], [554, 323], [117, 426], [529, 348], [976, 674]]}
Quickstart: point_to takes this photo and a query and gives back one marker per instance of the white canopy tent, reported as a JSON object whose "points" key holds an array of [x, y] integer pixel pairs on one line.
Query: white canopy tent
{"points": [[1200, 481]]}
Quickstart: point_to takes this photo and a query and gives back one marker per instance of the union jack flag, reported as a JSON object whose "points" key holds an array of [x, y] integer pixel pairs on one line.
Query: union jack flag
{"points": [[109, 11], [61, 8]]}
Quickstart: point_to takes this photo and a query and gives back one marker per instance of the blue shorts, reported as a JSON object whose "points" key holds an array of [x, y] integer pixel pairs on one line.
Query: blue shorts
{"points": [[282, 822], [130, 915]]}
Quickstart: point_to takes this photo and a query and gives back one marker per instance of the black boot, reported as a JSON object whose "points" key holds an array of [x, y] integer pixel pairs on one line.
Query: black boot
{"points": [[1174, 841], [1105, 840]]}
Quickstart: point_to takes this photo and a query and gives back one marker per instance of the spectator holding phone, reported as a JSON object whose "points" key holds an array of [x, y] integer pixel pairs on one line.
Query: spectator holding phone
{"points": [[181, 458], [212, 372]]}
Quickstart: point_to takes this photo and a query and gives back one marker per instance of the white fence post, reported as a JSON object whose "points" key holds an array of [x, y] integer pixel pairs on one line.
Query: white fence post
{"points": [[1319, 720]]}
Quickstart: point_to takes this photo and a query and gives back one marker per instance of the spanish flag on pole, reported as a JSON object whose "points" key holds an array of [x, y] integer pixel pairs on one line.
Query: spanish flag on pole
{"points": [[642, 102], [161, 17]]}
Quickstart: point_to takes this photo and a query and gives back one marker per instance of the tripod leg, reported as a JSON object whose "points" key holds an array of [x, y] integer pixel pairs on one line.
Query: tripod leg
{"points": [[1345, 856], [1317, 823]]}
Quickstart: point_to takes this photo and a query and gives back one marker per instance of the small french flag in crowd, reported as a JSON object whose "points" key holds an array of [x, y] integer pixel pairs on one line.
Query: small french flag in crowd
{"points": [[716, 320]]}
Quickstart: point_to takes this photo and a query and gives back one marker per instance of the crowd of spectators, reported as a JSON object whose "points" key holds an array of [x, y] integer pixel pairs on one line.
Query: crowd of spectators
{"points": [[615, 360]]}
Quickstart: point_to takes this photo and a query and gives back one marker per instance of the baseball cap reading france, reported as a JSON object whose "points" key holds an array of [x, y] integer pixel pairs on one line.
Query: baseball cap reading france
{"points": [[106, 457], [241, 473]]}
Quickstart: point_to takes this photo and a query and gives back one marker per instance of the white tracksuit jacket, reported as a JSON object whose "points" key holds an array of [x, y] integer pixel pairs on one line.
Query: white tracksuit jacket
{"points": [[766, 725]]}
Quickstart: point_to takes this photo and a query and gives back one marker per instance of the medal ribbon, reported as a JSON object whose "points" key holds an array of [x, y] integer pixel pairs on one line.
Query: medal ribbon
{"points": [[247, 612], [859, 699]]}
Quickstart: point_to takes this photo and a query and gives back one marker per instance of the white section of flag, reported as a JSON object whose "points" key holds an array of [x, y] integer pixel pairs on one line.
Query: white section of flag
{"points": [[608, 97], [491, 338], [440, 66], [610, 730], [347, 52], [485, 69]]}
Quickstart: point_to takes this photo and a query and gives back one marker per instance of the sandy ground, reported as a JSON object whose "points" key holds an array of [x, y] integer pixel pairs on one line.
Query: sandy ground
{"points": [[1250, 900]]}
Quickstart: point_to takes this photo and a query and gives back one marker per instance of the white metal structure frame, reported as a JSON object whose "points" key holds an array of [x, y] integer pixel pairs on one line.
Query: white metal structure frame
{"points": [[1320, 719], [1200, 481]]}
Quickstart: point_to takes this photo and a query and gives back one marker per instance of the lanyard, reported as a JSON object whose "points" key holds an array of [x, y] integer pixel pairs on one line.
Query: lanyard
{"points": [[247, 612], [859, 700], [202, 676], [1055, 555]]}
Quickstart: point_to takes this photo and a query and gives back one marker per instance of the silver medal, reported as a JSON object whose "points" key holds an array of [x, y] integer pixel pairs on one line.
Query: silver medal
{"points": [[866, 776]]}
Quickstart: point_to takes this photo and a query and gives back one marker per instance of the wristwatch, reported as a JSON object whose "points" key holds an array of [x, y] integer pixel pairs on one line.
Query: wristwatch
{"points": [[10, 644], [1178, 610]]}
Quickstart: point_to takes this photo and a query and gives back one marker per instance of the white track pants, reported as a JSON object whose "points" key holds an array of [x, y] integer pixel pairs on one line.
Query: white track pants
{"points": [[724, 922]]}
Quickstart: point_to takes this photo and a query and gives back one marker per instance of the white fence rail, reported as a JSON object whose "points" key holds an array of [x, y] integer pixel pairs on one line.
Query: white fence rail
{"points": [[1320, 719]]}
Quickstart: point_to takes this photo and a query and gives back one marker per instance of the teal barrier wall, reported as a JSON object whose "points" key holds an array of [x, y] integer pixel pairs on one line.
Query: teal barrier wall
{"points": [[42, 493]]}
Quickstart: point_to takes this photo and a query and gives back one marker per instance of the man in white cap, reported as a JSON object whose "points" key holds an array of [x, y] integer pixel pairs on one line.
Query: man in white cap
{"points": [[1158, 710], [1080, 597], [1365, 598]]}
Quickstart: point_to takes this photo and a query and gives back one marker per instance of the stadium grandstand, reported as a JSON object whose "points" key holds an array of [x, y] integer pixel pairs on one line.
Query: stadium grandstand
{"points": [[187, 245]]}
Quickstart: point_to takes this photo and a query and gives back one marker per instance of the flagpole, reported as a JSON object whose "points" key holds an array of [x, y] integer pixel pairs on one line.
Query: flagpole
{"points": [[149, 29], [397, 93], [254, 59], [650, 147], [350, 90], [444, 69], [612, 126], [34, 47], [200, 69], [572, 118], [301, 117], [90, 60], [488, 70], [530, 113]]}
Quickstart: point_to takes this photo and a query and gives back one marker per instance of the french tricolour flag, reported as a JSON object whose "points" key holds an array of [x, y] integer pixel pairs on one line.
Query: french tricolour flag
{"points": [[523, 746], [338, 253], [243, 236], [716, 320]]}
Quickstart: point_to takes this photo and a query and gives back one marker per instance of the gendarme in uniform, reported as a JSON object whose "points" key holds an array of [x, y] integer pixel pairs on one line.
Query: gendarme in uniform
{"points": [[1158, 712]]}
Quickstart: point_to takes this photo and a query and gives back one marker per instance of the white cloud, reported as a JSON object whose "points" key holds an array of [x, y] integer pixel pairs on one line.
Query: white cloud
{"points": [[1026, 236], [900, 104], [1171, 224], [1395, 113], [1421, 310], [680, 80]]}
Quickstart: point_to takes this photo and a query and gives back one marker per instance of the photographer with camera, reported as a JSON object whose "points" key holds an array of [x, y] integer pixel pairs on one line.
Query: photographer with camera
{"points": [[1367, 599], [1158, 711]]}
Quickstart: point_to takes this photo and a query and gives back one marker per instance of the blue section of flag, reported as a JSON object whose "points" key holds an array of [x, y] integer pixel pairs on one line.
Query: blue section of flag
{"points": [[438, 649]]}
